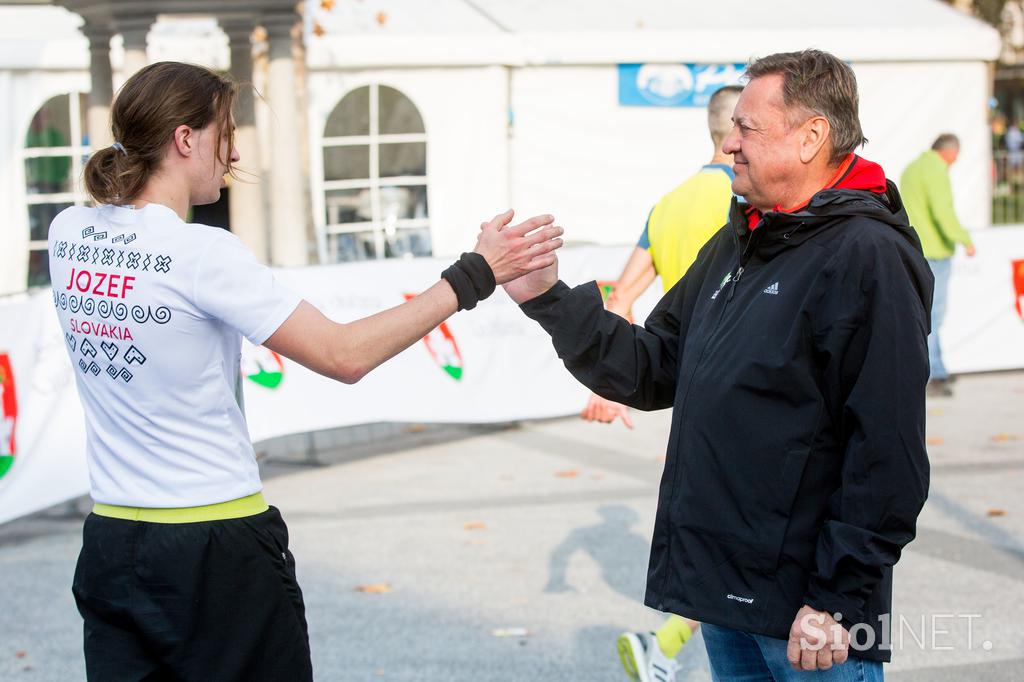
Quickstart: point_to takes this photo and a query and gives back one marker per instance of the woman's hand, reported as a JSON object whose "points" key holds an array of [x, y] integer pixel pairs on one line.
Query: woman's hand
{"points": [[520, 249]]}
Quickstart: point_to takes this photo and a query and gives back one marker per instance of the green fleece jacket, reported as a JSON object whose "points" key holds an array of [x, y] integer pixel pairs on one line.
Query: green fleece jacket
{"points": [[928, 198]]}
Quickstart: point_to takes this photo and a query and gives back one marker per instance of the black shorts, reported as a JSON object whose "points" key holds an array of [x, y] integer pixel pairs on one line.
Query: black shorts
{"points": [[214, 600]]}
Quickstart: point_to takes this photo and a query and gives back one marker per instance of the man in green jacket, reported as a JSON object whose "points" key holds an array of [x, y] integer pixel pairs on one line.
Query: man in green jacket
{"points": [[928, 198]]}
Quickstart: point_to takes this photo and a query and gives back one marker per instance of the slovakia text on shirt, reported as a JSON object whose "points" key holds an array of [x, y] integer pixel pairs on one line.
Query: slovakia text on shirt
{"points": [[107, 331]]}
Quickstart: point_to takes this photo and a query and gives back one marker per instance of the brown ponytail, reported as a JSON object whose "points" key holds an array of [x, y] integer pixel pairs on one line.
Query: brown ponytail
{"points": [[149, 107]]}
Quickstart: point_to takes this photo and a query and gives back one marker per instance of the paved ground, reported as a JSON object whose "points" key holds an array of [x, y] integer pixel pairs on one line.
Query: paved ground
{"points": [[546, 527]]}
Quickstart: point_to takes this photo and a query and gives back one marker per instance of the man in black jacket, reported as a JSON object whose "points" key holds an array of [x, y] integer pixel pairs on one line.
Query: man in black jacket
{"points": [[794, 356]]}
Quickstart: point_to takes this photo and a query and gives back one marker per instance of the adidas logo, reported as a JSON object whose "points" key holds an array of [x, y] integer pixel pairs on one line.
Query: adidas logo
{"points": [[773, 289]]}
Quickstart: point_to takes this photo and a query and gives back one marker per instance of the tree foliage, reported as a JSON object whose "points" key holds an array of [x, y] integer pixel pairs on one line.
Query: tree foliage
{"points": [[988, 10]]}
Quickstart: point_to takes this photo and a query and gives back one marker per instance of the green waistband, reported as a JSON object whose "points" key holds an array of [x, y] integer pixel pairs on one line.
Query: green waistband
{"points": [[232, 509]]}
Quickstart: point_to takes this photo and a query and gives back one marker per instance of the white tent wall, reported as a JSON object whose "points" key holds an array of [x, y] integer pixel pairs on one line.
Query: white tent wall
{"points": [[23, 93], [571, 149], [904, 106], [465, 114], [598, 166]]}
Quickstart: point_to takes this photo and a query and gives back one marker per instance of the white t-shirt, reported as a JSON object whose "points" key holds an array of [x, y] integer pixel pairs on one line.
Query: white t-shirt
{"points": [[153, 310]]}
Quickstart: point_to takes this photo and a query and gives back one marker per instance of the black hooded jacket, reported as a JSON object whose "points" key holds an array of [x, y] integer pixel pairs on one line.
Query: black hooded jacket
{"points": [[795, 360]]}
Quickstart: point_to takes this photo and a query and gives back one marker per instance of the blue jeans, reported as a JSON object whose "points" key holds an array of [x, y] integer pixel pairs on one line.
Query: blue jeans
{"points": [[738, 656], [940, 269]]}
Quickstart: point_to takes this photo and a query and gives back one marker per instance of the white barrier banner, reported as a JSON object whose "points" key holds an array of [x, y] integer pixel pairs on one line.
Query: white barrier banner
{"points": [[42, 432], [490, 364], [984, 328]]}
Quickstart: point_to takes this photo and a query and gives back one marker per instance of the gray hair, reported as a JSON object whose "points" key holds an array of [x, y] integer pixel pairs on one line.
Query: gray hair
{"points": [[720, 108], [946, 141], [820, 84]]}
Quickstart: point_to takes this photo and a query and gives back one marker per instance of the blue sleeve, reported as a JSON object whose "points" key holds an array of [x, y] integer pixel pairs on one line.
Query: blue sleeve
{"points": [[645, 238]]}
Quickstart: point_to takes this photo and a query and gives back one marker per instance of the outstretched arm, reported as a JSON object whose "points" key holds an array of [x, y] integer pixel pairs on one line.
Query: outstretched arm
{"points": [[633, 365], [347, 352]]}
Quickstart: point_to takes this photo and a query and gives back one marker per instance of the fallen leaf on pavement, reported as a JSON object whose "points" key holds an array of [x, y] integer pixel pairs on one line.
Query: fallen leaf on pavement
{"points": [[568, 473], [1005, 437], [474, 525], [374, 588], [935, 440], [997, 512], [21, 654]]}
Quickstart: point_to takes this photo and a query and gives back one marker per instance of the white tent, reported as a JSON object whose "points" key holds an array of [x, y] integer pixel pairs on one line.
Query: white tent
{"points": [[520, 107], [519, 99]]}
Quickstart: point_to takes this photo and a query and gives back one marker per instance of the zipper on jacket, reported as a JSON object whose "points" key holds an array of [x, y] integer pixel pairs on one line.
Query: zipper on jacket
{"points": [[744, 257], [732, 289]]}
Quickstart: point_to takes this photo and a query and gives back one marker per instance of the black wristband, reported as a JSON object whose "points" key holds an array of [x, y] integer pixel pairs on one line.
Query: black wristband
{"points": [[461, 284], [471, 278], [480, 273]]}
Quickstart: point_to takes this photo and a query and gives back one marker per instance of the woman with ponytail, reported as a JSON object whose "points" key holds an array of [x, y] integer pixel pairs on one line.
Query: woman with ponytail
{"points": [[185, 571]]}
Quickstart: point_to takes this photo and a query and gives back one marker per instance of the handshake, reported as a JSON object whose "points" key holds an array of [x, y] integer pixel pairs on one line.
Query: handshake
{"points": [[523, 260], [521, 257]]}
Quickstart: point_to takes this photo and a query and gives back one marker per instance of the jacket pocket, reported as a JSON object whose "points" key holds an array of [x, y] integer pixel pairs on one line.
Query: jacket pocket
{"points": [[779, 506]]}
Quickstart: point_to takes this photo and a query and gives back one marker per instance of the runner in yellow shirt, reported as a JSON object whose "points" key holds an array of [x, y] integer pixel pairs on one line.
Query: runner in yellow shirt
{"points": [[677, 227]]}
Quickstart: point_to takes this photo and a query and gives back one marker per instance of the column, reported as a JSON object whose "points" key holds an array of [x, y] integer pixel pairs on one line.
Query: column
{"points": [[134, 30], [101, 92], [246, 195], [288, 237]]}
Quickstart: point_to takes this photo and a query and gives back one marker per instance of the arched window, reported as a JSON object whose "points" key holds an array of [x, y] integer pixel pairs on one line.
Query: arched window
{"points": [[374, 178], [56, 147]]}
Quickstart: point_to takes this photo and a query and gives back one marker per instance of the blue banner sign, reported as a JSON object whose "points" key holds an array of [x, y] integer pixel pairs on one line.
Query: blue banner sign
{"points": [[674, 85]]}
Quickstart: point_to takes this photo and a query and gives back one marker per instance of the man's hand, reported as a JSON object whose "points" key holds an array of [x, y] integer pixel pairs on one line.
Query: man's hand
{"points": [[599, 409], [533, 284], [970, 250], [539, 279], [816, 641], [515, 251]]}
